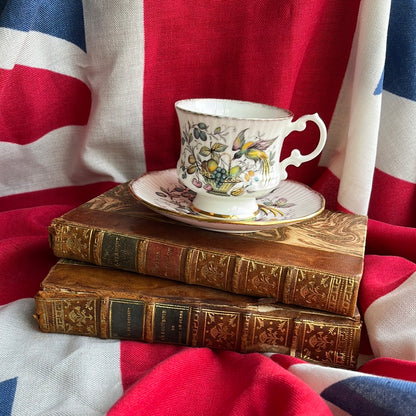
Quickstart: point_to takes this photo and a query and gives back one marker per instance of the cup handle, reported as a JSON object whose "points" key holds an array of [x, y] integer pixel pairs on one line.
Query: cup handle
{"points": [[296, 158]]}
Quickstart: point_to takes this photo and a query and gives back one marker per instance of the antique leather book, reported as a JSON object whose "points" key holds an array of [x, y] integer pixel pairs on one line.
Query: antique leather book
{"points": [[317, 263], [84, 299]]}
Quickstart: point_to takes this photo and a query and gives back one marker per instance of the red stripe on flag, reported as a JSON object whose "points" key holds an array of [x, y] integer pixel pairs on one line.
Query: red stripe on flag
{"points": [[25, 254], [132, 369], [382, 274], [390, 367], [35, 101], [292, 55], [328, 186], [195, 381], [393, 200], [69, 195], [393, 240]]}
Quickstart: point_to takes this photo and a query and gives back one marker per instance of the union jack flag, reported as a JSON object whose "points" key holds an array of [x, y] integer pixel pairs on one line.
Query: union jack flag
{"points": [[86, 102]]}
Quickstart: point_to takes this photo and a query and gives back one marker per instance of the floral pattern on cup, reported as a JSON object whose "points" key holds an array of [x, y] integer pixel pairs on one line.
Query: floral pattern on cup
{"points": [[219, 169]]}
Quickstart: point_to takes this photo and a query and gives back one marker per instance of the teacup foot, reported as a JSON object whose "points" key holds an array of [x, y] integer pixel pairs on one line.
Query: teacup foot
{"points": [[225, 208]]}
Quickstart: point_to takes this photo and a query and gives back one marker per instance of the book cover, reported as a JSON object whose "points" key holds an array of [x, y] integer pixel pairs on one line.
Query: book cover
{"points": [[84, 299], [317, 263]]}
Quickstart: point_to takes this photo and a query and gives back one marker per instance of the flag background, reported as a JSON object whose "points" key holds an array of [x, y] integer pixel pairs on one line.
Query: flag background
{"points": [[86, 101]]}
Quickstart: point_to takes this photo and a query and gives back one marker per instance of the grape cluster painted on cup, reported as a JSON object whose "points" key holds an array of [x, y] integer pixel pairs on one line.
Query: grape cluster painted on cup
{"points": [[219, 175]]}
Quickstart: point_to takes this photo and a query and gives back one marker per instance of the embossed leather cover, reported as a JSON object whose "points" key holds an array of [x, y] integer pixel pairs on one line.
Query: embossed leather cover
{"points": [[317, 263], [83, 299]]}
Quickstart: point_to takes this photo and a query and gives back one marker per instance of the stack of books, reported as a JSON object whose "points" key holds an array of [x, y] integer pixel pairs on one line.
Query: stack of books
{"points": [[127, 272]]}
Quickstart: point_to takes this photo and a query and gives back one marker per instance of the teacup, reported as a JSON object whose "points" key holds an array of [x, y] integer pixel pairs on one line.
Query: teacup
{"points": [[230, 153]]}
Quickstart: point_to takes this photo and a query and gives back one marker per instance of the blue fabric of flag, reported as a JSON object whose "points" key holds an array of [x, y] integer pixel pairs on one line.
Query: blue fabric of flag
{"points": [[379, 88], [400, 66], [60, 18], [375, 396], [7, 393]]}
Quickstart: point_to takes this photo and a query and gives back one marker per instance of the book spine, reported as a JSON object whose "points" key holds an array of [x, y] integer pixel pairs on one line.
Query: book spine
{"points": [[220, 270], [312, 339]]}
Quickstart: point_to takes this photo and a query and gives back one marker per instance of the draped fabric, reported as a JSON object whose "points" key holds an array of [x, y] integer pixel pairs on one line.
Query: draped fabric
{"points": [[87, 93]]}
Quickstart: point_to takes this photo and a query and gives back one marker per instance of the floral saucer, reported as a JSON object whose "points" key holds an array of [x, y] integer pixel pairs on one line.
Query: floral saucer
{"points": [[289, 203]]}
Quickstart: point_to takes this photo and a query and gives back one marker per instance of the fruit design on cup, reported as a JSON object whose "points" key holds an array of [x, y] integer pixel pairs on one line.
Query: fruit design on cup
{"points": [[219, 169]]}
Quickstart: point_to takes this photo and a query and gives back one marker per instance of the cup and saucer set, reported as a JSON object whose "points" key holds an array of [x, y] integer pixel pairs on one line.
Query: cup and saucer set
{"points": [[229, 176]]}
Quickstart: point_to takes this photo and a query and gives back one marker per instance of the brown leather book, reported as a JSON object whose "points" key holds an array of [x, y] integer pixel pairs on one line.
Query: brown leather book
{"points": [[317, 263], [83, 299]]}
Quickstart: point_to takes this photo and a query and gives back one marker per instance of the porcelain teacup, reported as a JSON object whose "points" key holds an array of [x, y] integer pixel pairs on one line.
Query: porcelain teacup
{"points": [[230, 153]]}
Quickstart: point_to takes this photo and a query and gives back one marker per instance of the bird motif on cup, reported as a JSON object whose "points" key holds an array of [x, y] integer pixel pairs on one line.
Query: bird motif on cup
{"points": [[253, 150]]}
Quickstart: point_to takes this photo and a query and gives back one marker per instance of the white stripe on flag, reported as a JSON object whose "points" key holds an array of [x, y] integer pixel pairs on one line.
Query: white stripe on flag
{"points": [[350, 152], [390, 322], [54, 161], [398, 121], [56, 374], [115, 37], [49, 162], [39, 50]]}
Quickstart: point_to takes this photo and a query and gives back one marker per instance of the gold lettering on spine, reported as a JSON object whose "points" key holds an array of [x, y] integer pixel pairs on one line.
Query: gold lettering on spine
{"points": [[160, 259], [195, 327], [126, 318], [128, 322], [163, 326], [168, 256], [155, 263], [180, 325], [117, 252], [171, 323]]}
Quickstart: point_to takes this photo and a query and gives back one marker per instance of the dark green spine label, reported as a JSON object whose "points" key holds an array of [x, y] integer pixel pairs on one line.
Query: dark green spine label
{"points": [[171, 323], [126, 319], [119, 252]]}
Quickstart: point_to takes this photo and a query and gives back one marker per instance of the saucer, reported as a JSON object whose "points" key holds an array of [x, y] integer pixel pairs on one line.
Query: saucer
{"points": [[291, 202]]}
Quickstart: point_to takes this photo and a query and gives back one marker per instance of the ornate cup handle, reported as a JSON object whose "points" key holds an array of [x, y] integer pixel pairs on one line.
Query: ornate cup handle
{"points": [[296, 158]]}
